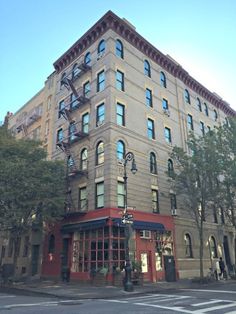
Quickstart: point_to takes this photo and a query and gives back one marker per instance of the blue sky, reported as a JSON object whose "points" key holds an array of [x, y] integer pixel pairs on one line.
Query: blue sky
{"points": [[199, 34]]}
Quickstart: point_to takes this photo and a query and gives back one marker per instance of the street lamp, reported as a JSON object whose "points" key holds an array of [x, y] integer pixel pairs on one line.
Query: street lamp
{"points": [[128, 286]]}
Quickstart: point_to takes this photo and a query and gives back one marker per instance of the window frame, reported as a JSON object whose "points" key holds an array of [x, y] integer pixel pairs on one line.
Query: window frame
{"points": [[101, 47], [155, 201], [61, 106], [170, 168], [87, 58], [188, 245], [206, 111], [119, 49], [118, 115], [83, 202], [148, 97], [120, 81], [98, 196], [147, 69], [86, 89], [173, 201], [165, 104], [190, 122], [85, 124], [122, 195], [202, 128], [199, 104], [213, 247], [84, 159], [168, 136], [163, 79], [120, 152], [151, 131], [152, 163], [187, 97], [60, 137], [101, 81], [100, 116], [100, 153]]}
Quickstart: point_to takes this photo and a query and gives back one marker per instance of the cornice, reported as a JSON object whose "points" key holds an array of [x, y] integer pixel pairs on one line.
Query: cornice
{"points": [[123, 29]]}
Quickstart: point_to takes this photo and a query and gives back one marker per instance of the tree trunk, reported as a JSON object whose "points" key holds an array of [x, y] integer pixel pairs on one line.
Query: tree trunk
{"points": [[201, 247]]}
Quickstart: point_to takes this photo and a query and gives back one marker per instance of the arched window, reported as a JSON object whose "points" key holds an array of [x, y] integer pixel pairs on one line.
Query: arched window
{"points": [[206, 109], [51, 244], [215, 115], [84, 159], [170, 168], [101, 47], [120, 150], [87, 58], [75, 71], [213, 247], [153, 163], [119, 49], [100, 153], [199, 105], [188, 246], [147, 68], [187, 96], [163, 79]]}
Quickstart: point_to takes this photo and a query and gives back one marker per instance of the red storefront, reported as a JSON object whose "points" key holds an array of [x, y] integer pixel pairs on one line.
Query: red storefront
{"points": [[96, 240]]}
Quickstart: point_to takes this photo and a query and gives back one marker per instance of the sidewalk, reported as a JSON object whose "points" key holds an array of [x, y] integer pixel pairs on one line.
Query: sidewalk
{"points": [[77, 291]]}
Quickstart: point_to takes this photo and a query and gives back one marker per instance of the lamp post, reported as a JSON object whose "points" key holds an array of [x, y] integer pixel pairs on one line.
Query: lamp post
{"points": [[128, 286]]}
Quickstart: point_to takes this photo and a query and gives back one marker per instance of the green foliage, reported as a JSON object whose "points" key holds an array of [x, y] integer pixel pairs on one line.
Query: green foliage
{"points": [[31, 187]]}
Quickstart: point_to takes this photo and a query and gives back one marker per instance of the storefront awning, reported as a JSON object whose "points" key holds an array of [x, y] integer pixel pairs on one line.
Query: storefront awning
{"points": [[88, 225], [141, 225]]}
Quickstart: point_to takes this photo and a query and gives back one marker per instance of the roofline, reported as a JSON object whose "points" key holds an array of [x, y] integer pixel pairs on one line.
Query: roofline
{"points": [[111, 21]]}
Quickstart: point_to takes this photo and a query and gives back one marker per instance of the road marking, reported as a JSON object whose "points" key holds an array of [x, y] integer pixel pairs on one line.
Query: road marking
{"points": [[7, 296], [208, 302], [116, 301], [214, 308], [174, 298], [176, 309], [215, 291]]}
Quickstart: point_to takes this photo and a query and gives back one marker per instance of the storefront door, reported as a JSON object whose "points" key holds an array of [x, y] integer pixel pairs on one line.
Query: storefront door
{"points": [[146, 260]]}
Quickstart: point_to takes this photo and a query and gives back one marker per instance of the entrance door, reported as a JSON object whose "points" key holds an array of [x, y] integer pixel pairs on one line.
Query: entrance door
{"points": [[65, 253], [146, 260], [169, 263], [226, 250], [35, 259]]}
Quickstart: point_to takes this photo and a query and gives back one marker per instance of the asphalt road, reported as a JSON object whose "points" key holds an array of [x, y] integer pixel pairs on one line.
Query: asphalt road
{"points": [[201, 301]]}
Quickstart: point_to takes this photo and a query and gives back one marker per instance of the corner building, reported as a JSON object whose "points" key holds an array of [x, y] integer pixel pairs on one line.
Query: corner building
{"points": [[116, 93]]}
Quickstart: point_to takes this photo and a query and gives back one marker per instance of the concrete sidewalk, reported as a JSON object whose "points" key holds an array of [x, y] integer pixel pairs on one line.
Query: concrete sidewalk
{"points": [[77, 291]]}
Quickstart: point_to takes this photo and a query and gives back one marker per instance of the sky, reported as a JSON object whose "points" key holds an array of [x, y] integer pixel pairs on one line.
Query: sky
{"points": [[198, 34]]}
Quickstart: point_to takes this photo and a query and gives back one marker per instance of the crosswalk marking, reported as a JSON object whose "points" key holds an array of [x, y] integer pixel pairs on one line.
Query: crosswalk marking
{"points": [[209, 309], [206, 303], [215, 291]]}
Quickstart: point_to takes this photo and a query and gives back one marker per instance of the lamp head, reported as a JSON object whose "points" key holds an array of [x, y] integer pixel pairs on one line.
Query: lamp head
{"points": [[133, 167]]}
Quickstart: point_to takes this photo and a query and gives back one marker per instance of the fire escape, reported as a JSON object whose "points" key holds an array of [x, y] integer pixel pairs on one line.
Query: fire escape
{"points": [[76, 132]]}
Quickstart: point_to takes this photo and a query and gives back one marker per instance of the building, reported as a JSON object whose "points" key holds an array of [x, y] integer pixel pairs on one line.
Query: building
{"points": [[115, 93]]}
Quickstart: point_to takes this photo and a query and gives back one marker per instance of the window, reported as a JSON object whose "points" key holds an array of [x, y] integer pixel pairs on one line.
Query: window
{"points": [[100, 195], [75, 71], [119, 49], [101, 47], [150, 129], [153, 163], [206, 109], [72, 131], [100, 81], [83, 198], [148, 97], [63, 79], [26, 247], [60, 135], [84, 159], [86, 89], [147, 68], [120, 114], [165, 105], [100, 153], [187, 96], [190, 122], [170, 168], [173, 203], [155, 201], [213, 247], [85, 122], [215, 115], [61, 107], [100, 114], [163, 79], [120, 150], [202, 128], [188, 246], [49, 103], [51, 244], [168, 135], [3, 252], [199, 105], [87, 58], [120, 194], [73, 101], [10, 247], [120, 80]]}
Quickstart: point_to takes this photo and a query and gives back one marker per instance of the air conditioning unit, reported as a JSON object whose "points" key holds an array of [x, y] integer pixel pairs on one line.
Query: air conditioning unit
{"points": [[145, 234], [174, 212], [99, 123], [100, 55], [166, 112]]}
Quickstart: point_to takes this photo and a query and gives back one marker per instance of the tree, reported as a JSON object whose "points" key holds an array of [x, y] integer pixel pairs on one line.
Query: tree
{"points": [[196, 182], [31, 187]]}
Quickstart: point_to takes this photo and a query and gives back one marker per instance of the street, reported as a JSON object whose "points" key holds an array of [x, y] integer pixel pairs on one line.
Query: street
{"points": [[197, 301]]}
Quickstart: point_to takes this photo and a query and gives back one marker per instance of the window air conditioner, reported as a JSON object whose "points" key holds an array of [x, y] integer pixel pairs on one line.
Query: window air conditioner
{"points": [[166, 112], [174, 212], [145, 234]]}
